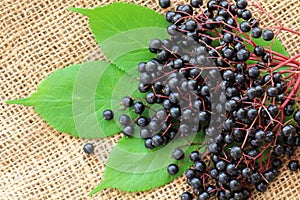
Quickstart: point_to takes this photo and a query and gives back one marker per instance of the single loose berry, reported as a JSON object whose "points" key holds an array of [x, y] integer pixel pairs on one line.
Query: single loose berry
{"points": [[108, 114], [173, 169], [164, 3], [88, 148], [293, 165]]}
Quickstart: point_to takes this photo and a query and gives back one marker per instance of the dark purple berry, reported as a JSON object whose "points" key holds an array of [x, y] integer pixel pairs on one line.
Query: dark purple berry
{"points": [[108, 114], [88, 148], [173, 169]]}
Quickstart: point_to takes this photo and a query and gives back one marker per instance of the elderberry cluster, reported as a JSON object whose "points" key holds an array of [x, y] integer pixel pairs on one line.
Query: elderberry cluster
{"points": [[211, 71]]}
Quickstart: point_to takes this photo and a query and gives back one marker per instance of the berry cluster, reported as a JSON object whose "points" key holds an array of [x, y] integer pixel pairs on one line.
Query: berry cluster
{"points": [[211, 77]]}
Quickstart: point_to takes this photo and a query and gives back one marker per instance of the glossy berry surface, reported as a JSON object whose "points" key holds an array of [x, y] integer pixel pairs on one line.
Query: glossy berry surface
{"points": [[88, 148], [108, 114], [164, 3], [173, 169]]}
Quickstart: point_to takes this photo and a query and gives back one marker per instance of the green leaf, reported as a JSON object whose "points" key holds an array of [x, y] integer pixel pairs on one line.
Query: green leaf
{"points": [[124, 30], [141, 169], [73, 99]]}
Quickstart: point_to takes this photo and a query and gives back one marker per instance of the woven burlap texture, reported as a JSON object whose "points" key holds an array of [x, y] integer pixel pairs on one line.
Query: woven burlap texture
{"points": [[36, 162]]}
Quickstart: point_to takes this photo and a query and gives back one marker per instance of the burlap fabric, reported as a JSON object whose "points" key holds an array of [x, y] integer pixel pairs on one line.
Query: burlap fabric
{"points": [[36, 162]]}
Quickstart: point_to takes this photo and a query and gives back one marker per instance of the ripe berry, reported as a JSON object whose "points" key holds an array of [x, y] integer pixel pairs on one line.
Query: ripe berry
{"points": [[186, 9], [227, 37], [260, 135], [246, 14], [288, 110], [88, 148], [241, 4], [127, 101], [186, 196], [157, 140], [276, 163], [267, 58], [261, 186], [203, 196], [223, 178], [212, 5], [170, 15], [195, 156], [256, 32], [200, 166], [173, 169], [178, 154], [253, 72], [155, 45], [270, 137], [236, 152], [234, 184], [196, 3], [128, 130], [164, 3], [297, 116], [278, 150], [214, 173], [190, 173], [196, 183], [142, 121], [243, 55], [259, 51], [272, 92], [251, 93], [255, 177], [269, 176], [228, 53], [231, 169], [191, 25], [138, 107], [245, 26], [108, 114], [145, 133], [124, 120], [149, 144], [246, 172], [288, 130], [221, 165], [293, 165], [268, 35]]}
